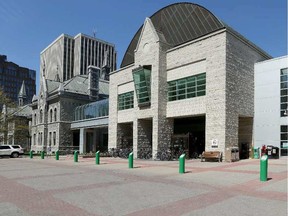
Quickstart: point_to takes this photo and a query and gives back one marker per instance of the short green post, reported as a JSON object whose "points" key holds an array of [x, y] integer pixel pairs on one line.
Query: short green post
{"points": [[130, 160], [42, 154], [263, 168], [182, 164], [75, 156], [31, 154], [57, 155], [97, 157]]}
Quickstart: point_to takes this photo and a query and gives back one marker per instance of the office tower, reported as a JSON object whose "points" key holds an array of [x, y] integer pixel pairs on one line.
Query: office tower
{"points": [[67, 57], [12, 77]]}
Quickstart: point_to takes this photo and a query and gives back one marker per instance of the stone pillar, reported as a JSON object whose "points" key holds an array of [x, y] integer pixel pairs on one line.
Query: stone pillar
{"points": [[95, 143], [82, 142]]}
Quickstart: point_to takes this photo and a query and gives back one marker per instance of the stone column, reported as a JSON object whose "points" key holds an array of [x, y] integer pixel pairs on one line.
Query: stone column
{"points": [[82, 142], [96, 144]]}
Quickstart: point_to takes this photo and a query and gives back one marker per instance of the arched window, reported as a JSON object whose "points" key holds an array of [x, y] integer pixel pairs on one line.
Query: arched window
{"points": [[35, 118], [54, 138], [51, 115], [55, 114], [34, 139], [41, 116]]}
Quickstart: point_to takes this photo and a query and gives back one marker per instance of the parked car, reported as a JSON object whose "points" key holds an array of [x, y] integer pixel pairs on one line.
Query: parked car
{"points": [[11, 150]]}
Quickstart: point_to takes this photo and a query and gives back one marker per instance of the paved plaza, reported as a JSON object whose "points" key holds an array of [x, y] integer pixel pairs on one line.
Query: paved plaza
{"points": [[59, 188]]}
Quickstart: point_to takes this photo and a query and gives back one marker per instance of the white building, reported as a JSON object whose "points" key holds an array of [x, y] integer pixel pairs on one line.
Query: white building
{"points": [[271, 119]]}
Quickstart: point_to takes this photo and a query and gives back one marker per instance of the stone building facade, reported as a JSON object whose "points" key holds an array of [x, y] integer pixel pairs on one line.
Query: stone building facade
{"points": [[15, 121], [197, 76], [52, 109]]}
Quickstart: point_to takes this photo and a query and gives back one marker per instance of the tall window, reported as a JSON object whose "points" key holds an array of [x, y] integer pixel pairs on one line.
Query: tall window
{"points": [[126, 101], [188, 87], [55, 114], [34, 139], [54, 138], [284, 140], [283, 92], [142, 82], [39, 138], [50, 138], [35, 119], [51, 115], [41, 116]]}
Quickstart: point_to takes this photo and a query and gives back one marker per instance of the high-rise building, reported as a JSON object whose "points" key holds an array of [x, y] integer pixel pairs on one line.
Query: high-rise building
{"points": [[67, 57], [12, 77]]}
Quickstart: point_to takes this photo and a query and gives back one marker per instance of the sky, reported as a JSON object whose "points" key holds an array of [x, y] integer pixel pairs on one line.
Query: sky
{"points": [[29, 26]]}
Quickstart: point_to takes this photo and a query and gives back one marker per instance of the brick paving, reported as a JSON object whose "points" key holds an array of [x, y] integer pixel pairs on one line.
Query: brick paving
{"points": [[49, 187]]}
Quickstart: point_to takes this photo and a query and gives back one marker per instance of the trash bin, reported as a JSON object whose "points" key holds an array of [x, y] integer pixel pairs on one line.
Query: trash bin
{"points": [[256, 153], [269, 151], [232, 154], [275, 152]]}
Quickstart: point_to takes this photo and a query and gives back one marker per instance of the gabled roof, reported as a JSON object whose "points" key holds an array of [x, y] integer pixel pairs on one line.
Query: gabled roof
{"points": [[24, 111], [78, 85]]}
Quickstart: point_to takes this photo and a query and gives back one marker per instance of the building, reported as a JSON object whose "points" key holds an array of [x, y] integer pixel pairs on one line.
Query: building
{"points": [[186, 79], [15, 122], [68, 56], [271, 104], [74, 79], [52, 109], [12, 77]]}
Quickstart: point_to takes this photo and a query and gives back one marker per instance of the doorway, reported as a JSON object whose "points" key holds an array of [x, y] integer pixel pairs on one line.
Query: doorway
{"points": [[191, 132]]}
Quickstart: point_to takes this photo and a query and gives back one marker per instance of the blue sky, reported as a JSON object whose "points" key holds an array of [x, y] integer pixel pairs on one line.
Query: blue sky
{"points": [[28, 26]]}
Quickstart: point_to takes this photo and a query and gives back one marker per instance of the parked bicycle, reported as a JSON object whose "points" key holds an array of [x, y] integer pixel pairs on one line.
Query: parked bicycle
{"points": [[144, 153]]}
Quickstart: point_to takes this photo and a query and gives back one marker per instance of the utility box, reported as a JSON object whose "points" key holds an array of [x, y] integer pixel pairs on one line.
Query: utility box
{"points": [[256, 153], [232, 154]]}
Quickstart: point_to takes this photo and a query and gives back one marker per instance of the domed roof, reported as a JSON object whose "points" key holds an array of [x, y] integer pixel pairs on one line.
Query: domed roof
{"points": [[180, 23]]}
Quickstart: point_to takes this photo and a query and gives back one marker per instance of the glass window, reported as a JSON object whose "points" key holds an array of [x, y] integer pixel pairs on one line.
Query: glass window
{"points": [[35, 117], [284, 140], [54, 138], [55, 114], [142, 82], [126, 101], [51, 115], [91, 110], [50, 138], [187, 87], [41, 116], [283, 92]]}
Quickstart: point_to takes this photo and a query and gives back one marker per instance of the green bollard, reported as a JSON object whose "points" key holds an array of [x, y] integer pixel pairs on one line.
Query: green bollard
{"points": [[57, 155], [263, 168], [97, 157], [31, 154], [75, 156], [42, 154], [130, 160], [182, 164]]}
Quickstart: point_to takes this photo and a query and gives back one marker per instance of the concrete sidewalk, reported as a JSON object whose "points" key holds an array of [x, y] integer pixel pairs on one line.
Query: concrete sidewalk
{"points": [[50, 187]]}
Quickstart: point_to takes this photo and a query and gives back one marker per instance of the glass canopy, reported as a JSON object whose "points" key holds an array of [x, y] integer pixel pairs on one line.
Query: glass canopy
{"points": [[92, 110]]}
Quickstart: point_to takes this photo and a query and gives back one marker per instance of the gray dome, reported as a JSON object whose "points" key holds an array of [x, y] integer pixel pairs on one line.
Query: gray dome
{"points": [[180, 23]]}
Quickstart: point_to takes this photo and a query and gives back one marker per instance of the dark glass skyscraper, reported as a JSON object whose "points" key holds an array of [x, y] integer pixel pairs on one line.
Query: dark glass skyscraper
{"points": [[12, 77]]}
